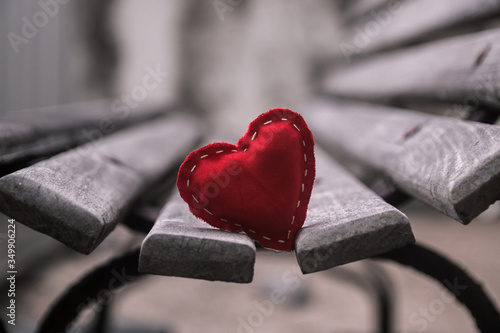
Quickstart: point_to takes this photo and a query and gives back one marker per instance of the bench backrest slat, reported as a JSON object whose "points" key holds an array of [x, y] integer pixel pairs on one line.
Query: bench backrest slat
{"points": [[426, 73], [451, 164], [182, 245], [356, 9], [346, 221], [394, 24], [78, 197], [28, 134]]}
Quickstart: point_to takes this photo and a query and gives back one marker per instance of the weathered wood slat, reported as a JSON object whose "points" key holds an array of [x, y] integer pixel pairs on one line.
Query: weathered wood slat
{"points": [[78, 197], [451, 164], [32, 133], [182, 245], [346, 221], [416, 21], [463, 70]]}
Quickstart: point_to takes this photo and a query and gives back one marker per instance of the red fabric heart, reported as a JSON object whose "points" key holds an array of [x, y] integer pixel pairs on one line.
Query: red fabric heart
{"points": [[261, 186]]}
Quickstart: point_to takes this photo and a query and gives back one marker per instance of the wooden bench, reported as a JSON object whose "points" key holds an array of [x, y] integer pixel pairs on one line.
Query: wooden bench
{"points": [[78, 196]]}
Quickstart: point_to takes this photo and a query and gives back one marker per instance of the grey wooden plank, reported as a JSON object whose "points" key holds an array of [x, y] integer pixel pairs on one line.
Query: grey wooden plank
{"points": [[417, 20], [451, 164], [462, 70], [356, 9], [78, 197], [346, 221], [26, 134], [182, 245]]}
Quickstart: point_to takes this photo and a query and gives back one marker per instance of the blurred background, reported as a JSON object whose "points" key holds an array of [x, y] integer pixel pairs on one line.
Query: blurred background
{"points": [[235, 61], [231, 60]]}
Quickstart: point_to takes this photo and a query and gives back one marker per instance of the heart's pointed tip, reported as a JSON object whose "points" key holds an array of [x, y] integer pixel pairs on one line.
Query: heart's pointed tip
{"points": [[287, 249], [274, 244]]}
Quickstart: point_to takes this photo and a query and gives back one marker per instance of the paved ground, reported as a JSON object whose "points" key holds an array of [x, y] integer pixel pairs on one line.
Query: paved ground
{"points": [[321, 302]]}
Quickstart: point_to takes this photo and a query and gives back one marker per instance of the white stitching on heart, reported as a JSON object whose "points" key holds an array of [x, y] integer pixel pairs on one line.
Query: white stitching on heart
{"points": [[234, 151]]}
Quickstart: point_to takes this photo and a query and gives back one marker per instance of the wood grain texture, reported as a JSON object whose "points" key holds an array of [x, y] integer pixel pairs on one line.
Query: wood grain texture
{"points": [[28, 134], [463, 70], [78, 197], [346, 221], [417, 20], [451, 164], [182, 245]]}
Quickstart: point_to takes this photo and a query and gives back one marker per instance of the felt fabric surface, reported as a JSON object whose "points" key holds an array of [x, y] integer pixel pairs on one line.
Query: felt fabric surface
{"points": [[260, 186]]}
